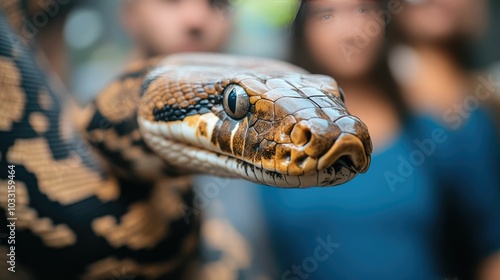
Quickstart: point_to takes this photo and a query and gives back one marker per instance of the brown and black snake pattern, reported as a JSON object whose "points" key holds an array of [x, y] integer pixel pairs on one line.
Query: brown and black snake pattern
{"points": [[94, 199]]}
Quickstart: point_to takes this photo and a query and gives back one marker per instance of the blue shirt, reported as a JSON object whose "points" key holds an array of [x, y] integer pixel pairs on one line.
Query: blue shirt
{"points": [[388, 223]]}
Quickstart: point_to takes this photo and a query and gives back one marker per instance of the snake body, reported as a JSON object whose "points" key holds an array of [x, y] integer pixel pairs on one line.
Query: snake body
{"points": [[102, 191]]}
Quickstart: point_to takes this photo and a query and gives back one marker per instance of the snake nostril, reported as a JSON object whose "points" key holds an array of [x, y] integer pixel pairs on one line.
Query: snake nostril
{"points": [[307, 135], [287, 156], [301, 160], [301, 134]]}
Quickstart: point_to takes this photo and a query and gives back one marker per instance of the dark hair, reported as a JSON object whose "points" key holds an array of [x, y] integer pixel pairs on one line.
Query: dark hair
{"points": [[458, 46], [300, 55]]}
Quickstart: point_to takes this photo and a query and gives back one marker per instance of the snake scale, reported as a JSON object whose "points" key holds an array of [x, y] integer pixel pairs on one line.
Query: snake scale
{"points": [[101, 188]]}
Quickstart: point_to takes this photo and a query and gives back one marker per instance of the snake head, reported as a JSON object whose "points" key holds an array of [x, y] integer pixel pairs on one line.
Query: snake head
{"points": [[268, 122]]}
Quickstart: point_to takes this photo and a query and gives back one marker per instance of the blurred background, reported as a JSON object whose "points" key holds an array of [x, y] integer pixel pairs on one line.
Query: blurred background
{"points": [[99, 49], [426, 224]]}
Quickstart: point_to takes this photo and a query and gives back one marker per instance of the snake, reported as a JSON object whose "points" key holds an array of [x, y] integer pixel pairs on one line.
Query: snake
{"points": [[108, 185]]}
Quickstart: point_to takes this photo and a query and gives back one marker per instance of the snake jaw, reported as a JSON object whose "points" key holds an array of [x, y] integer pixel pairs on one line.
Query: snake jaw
{"points": [[190, 156]]}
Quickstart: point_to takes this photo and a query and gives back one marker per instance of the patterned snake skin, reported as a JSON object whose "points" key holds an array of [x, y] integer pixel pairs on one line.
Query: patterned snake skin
{"points": [[104, 188]]}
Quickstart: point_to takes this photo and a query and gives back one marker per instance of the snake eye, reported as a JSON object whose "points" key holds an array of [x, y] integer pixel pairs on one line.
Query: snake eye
{"points": [[341, 92], [236, 101]]}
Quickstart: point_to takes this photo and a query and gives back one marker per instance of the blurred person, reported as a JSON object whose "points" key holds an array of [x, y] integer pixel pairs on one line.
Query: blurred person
{"points": [[430, 55], [391, 222], [162, 27]]}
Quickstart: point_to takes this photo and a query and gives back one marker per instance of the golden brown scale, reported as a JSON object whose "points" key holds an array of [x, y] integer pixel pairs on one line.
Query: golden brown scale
{"points": [[45, 100], [125, 234], [57, 236], [115, 130], [39, 122], [110, 268], [119, 100], [13, 99], [53, 176], [236, 253], [143, 218], [166, 196]]}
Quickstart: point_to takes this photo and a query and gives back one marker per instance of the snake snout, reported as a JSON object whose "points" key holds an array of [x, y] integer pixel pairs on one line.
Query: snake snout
{"points": [[320, 144], [347, 151]]}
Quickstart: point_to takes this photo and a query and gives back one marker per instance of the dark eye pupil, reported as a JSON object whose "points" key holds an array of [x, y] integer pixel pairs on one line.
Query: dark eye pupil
{"points": [[342, 96], [236, 102], [231, 101]]}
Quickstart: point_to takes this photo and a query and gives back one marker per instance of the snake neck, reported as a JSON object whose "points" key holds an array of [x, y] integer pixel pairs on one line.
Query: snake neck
{"points": [[110, 125]]}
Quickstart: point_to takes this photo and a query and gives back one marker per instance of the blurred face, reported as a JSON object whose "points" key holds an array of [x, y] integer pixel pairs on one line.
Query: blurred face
{"points": [[170, 26], [344, 37], [441, 20]]}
